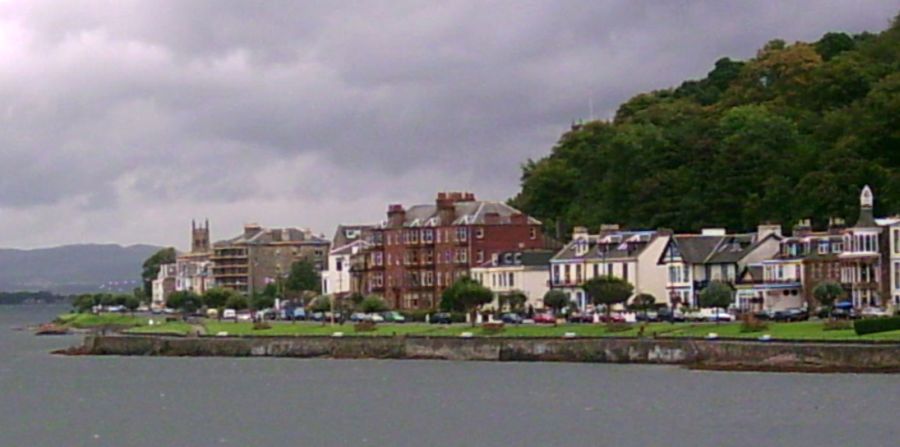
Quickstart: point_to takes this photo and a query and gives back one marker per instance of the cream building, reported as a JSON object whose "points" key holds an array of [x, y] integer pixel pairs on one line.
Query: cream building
{"points": [[519, 271]]}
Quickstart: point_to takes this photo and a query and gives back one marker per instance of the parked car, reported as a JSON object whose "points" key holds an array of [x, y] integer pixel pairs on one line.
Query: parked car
{"points": [[441, 318], [844, 314], [874, 312], [229, 314], [299, 313], [244, 315], [667, 314], [375, 318], [649, 316], [511, 318], [356, 317], [317, 316], [393, 316], [713, 314], [694, 315], [614, 317], [580, 317], [792, 314], [544, 318]]}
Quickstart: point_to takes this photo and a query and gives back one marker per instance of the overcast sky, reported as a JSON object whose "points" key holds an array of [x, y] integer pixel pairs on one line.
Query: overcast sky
{"points": [[121, 121]]}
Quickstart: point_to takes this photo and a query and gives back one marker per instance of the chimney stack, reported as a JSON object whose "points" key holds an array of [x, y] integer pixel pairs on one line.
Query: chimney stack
{"points": [[396, 215]]}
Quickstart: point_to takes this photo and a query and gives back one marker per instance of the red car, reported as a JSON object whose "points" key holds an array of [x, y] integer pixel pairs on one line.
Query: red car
{"points": [[544, 318], [613, 318]]}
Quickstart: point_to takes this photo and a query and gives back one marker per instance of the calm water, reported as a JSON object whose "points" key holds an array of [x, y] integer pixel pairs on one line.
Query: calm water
{"points": [[57, 401]]}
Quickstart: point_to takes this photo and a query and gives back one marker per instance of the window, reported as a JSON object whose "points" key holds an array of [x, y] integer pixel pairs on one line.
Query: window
{"points": [[378, 258], [480, 256], [823, 247], [625, 271], [479, 233], [339, 265], [512, 281], [596, 270], [556, 274], [438, 236], [897, 275], [837, 247], [532, 233], [414, 236], [578, 274], [462, 234], [462, 256], [609, 269], [897, 241], [429, 278], [428, 236]]}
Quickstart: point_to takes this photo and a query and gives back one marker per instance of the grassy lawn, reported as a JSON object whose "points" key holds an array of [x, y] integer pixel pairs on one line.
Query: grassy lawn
{"points": [[807, 330], [84, 321], [804, 330], [170, 328]]}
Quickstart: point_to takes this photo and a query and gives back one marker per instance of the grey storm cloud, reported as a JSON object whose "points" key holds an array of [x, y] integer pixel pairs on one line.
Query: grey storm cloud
{"points": [[120, 121]]}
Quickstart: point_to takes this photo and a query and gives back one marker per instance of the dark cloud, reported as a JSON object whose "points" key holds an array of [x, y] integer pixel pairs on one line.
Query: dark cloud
{"points": [[121, 121]]}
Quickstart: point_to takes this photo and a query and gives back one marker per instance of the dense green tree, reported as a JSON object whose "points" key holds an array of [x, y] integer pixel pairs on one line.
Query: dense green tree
{"points": [[718, 295], [468, 295], [132, 303], [372, 304], [304, 276], [556, 300], [216, 298], [827, 292], [515, 300], [184, 301], [643, 302], [84, 303], [151, 267], [237, 302], [607, 291], [790, 134]]}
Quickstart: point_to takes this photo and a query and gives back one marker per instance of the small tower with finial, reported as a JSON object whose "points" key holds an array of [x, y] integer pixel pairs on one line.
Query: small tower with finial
{"points": [[200, 237], [866, 205]]}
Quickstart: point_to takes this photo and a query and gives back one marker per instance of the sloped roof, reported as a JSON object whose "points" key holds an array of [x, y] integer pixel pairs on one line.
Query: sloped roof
{"points": [[276, 236], [527, 258], [342, 234], [466, 213], [631, 244], [696, 249]]}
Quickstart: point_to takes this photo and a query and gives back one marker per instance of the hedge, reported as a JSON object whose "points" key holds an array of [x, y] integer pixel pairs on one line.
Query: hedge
{"points": [[875, 325]]}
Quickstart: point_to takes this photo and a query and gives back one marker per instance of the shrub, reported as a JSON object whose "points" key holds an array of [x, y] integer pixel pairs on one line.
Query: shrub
{"points": [[261, 325], [837, 325], [492, 328], [751, 324], [364, 326], [876, 325]]}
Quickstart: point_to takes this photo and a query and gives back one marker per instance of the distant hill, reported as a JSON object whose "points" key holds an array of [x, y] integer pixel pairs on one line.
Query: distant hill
{"points": [[73, 269]]}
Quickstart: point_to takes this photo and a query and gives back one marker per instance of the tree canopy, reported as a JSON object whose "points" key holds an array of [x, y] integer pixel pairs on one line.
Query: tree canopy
{"points": [[792, 133], [465, 294], [827, 292], [555, 300], [151, 267], [608, 291], [717, 294], [303, 277]]}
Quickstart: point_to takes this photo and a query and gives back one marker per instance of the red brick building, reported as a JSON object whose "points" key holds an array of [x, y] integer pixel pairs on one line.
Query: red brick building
{"points": [[417, 252]]}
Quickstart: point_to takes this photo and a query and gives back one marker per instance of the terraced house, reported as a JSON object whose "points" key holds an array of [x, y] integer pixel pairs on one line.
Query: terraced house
{"points": [[804, 260], [419, 251], [630, 255], [692, 261]]}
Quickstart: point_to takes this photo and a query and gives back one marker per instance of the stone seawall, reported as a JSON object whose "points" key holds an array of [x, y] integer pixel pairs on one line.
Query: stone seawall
{"points": [[724, 354]]}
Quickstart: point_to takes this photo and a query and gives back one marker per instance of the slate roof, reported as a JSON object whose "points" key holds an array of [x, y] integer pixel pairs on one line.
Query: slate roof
{"points": [[276, 236], [728, 249], [527, 258], [615, 245], [695, 249], [342, 234], [466, 213]]}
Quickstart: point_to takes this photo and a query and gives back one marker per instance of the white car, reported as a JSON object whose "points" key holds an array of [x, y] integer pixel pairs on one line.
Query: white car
{"points": [[374, 318], [874, 312], [712, 314], [229, 314]]}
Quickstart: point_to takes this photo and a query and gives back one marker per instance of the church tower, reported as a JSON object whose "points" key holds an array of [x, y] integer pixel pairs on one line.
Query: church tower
{"points": [[200, 237]]}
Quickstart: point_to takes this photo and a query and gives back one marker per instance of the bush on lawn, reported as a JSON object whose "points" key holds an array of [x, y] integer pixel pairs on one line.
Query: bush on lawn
{"points": [[838, 325], [752, 324], [492, 328], [261, 325], [364, 326], [876, 325]]}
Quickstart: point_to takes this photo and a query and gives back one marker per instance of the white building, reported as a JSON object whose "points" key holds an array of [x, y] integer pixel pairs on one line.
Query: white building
{"points": [[348, 241], [163, 285], [630, 255], [892, 226], [862, 269], [520, 271]]}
